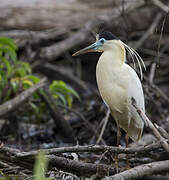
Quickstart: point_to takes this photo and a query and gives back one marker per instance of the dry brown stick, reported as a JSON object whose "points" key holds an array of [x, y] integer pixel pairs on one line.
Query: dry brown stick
{"points": [[152, 72], [153, 66], [55, 50], [144, 37], [142, 171], [149, 32], [35, 37], [157, 90], [156, 177], [150, 94], [104, 126], [151, 126], [162, 131], [80, 168], [92, 149], [19, 99], [161, 5], [7, 166], [160, 92], [77, 167]]}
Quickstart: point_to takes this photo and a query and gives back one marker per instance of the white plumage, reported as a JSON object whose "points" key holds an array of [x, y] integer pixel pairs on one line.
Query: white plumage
{"points": [[118, 83]]}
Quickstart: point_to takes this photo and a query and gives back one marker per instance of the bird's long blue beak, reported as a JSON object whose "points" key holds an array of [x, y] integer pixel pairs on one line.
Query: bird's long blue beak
{"points": [[91, 48]]}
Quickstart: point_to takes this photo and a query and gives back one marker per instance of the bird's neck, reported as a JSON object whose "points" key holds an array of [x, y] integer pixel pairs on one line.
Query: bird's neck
{"points": [[114, 56]]}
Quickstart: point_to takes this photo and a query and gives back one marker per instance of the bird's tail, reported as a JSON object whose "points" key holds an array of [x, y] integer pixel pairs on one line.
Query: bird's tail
{"points": [[136, 125], [133, 126], [135, 133]]}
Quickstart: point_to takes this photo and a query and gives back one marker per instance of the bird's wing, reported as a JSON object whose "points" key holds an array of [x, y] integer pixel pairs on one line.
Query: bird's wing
{"points": [[135, 91]]}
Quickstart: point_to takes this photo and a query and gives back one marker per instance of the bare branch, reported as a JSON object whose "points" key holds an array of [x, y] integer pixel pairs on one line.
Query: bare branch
{"points": [[142, 171], [96, 148], [18, 100], [149, 32], [104, 126], [80, 168], [151, 126], [161, 5], [77, 167], [162, 131]]}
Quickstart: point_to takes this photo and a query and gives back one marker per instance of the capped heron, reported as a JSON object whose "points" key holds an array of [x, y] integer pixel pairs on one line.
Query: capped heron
{"points": [[118, 83]]}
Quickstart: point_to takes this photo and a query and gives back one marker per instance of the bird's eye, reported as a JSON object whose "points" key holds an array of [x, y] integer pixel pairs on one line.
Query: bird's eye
{"points": [[102, 41]]}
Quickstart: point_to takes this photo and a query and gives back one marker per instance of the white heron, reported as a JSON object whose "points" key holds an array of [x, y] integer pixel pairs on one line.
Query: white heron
{"points": [[118, 83]]}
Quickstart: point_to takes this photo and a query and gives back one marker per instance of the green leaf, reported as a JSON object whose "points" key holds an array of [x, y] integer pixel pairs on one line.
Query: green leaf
{"points": [[61, 97], [20, 72], [69, 100], [4, 80], [8, 50], [9, 42], [7, 64], [73, 92], [58, 88], [15, 84], [34, 79], [25, 66], [26, 83]]}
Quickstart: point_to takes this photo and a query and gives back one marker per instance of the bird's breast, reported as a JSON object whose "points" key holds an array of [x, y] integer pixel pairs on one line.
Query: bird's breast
{"points": [[112, 80], [118, 83]]}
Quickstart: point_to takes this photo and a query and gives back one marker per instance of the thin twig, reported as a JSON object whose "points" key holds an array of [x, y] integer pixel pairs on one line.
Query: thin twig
{"points": [[162, 131], [104, 126], [15, 102], [157, 90], [160, 38], [92, 148], [149, 32], [151, 126], [157, 62], [152, 72], [86, 122]]}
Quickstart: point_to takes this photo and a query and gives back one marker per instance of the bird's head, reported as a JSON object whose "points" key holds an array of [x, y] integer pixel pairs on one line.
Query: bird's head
{"points": [[104, 41]]}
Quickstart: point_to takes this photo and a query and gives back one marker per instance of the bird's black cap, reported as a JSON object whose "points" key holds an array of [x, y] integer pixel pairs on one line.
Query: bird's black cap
{"points": [[107, 35]]}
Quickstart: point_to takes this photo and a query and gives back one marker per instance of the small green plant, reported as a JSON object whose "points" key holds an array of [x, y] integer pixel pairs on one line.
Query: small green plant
{"points": [[16, 76], [40, 167], [63, 93]]}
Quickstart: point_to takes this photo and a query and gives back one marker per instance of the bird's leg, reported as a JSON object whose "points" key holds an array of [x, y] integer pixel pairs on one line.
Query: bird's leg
{"points": [[118, 143], [127, 158]]}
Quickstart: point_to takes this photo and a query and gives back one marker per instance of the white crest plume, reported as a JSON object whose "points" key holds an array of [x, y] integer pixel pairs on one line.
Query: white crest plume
{"points": [[135, 56], [97, 37]]}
